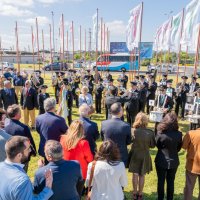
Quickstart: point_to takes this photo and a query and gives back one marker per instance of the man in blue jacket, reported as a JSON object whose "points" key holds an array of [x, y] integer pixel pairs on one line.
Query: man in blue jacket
{"points": [[117, 130], [15, 184], [90, 127], [68, 182], [49, 125]]}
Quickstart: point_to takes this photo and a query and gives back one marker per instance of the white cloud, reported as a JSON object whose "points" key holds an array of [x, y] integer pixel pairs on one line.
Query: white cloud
{"points": [[42, 20], [117, 28], [10, 10], [21, 3]]}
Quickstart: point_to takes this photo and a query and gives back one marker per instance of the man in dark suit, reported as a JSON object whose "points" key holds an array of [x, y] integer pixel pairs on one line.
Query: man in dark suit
{"points": [[98, 96], [28, 103], [151, 91], [117, 130], [90, 127], [193, 85], [41, 98], [67, 178], [49, 125], [112, 98], [124, 78], [7, 96], [15, 127], [182, 96], [132, 106]]}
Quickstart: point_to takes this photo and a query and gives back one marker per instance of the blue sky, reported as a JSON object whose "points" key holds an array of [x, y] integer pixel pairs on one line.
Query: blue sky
{"points": [[115, 14]]}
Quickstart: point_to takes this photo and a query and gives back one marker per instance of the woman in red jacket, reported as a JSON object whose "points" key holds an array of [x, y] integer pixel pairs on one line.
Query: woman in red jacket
{"points": [[75, 147]]}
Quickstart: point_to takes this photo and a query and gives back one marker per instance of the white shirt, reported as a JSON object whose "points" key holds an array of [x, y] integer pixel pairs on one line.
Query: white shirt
{"points": [[108, 181]]}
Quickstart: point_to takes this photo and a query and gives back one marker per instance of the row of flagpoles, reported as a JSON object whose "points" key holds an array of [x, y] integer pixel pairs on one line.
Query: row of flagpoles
{"points": [[100, 35], [181, 33]]}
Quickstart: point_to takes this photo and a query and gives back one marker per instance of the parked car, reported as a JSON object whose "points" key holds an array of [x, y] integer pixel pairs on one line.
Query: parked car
{"points": [[164, 68], [56, 66], [6, 65]]}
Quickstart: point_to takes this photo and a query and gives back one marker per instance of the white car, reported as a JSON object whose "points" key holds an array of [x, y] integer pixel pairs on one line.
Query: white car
{"points": [[164, 68], [6, 65]]}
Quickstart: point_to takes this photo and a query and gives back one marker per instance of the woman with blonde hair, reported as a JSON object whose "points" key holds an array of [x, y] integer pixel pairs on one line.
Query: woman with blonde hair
{"points": [[85, 97], [140, 160], [75, 147]]}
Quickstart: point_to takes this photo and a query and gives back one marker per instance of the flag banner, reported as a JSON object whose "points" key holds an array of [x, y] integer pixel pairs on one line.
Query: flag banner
{"points": [[162, 37], [176, 29], [96, 32], [165, 35], [134, 27], [192, 13], [157, 41]]}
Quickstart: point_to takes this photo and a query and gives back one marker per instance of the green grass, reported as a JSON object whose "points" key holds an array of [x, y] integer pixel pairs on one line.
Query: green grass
{"points": [[151, 179]]}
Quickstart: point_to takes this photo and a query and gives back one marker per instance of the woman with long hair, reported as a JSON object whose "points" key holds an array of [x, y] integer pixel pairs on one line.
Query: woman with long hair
{"points": [[109, 174], [75, 147], [168, 142], [140, 160]]}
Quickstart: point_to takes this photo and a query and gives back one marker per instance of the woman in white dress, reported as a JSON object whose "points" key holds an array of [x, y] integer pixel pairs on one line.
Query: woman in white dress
{"points": [[109, 174]]}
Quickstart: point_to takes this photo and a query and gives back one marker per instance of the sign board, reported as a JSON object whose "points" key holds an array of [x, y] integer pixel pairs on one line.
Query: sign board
{"points": [[146, 49]]}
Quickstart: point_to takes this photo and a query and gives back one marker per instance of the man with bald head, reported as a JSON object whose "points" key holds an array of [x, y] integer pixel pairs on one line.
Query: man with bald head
{"points": [[117, 130]]}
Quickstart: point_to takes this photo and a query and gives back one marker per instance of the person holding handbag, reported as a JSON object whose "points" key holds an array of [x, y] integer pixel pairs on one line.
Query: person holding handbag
{"points": [[107, 176]]}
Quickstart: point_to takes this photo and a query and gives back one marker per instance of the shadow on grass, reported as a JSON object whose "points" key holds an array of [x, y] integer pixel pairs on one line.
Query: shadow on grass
{"points": [[153, 196]]}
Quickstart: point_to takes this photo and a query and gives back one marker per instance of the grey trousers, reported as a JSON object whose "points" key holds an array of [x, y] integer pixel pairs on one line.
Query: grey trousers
{"points": [[190, 184]]}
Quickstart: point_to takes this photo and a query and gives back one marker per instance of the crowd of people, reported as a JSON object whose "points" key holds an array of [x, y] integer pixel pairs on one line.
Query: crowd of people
{"points": [[70, 165]]}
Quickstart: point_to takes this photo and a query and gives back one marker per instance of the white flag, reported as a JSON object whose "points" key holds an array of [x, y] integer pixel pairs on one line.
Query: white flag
{"points": [[192, 13], [94, 19], [157, 42], [165, 35], [176, 28], [134, 27]]}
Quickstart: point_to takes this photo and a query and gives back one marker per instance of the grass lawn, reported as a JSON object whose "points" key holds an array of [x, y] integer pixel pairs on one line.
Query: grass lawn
{"points": [[151, 179]]}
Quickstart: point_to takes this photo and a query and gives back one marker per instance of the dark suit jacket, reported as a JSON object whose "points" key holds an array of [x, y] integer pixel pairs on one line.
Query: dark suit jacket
{"points": [[119, 132], [8, 98], [15, 127], [114, 99], [29, 101], [66, 176], [91, 132], [169, 144], [41, 99], [50, 127]]}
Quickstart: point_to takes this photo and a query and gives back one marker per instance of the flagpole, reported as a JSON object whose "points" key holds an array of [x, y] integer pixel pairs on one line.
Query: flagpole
{"points": [[169, 50], [97, 35], [140, 39], [186, 60], [73, 42], [67, 48], [80, 43], [17, 48], [51, 48], [197, 53], [63, 41], [85, 47], [38, 43], [1, 54], [101, 41], [43, 49], [60, 56], [179, 53], [33, 48]]}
